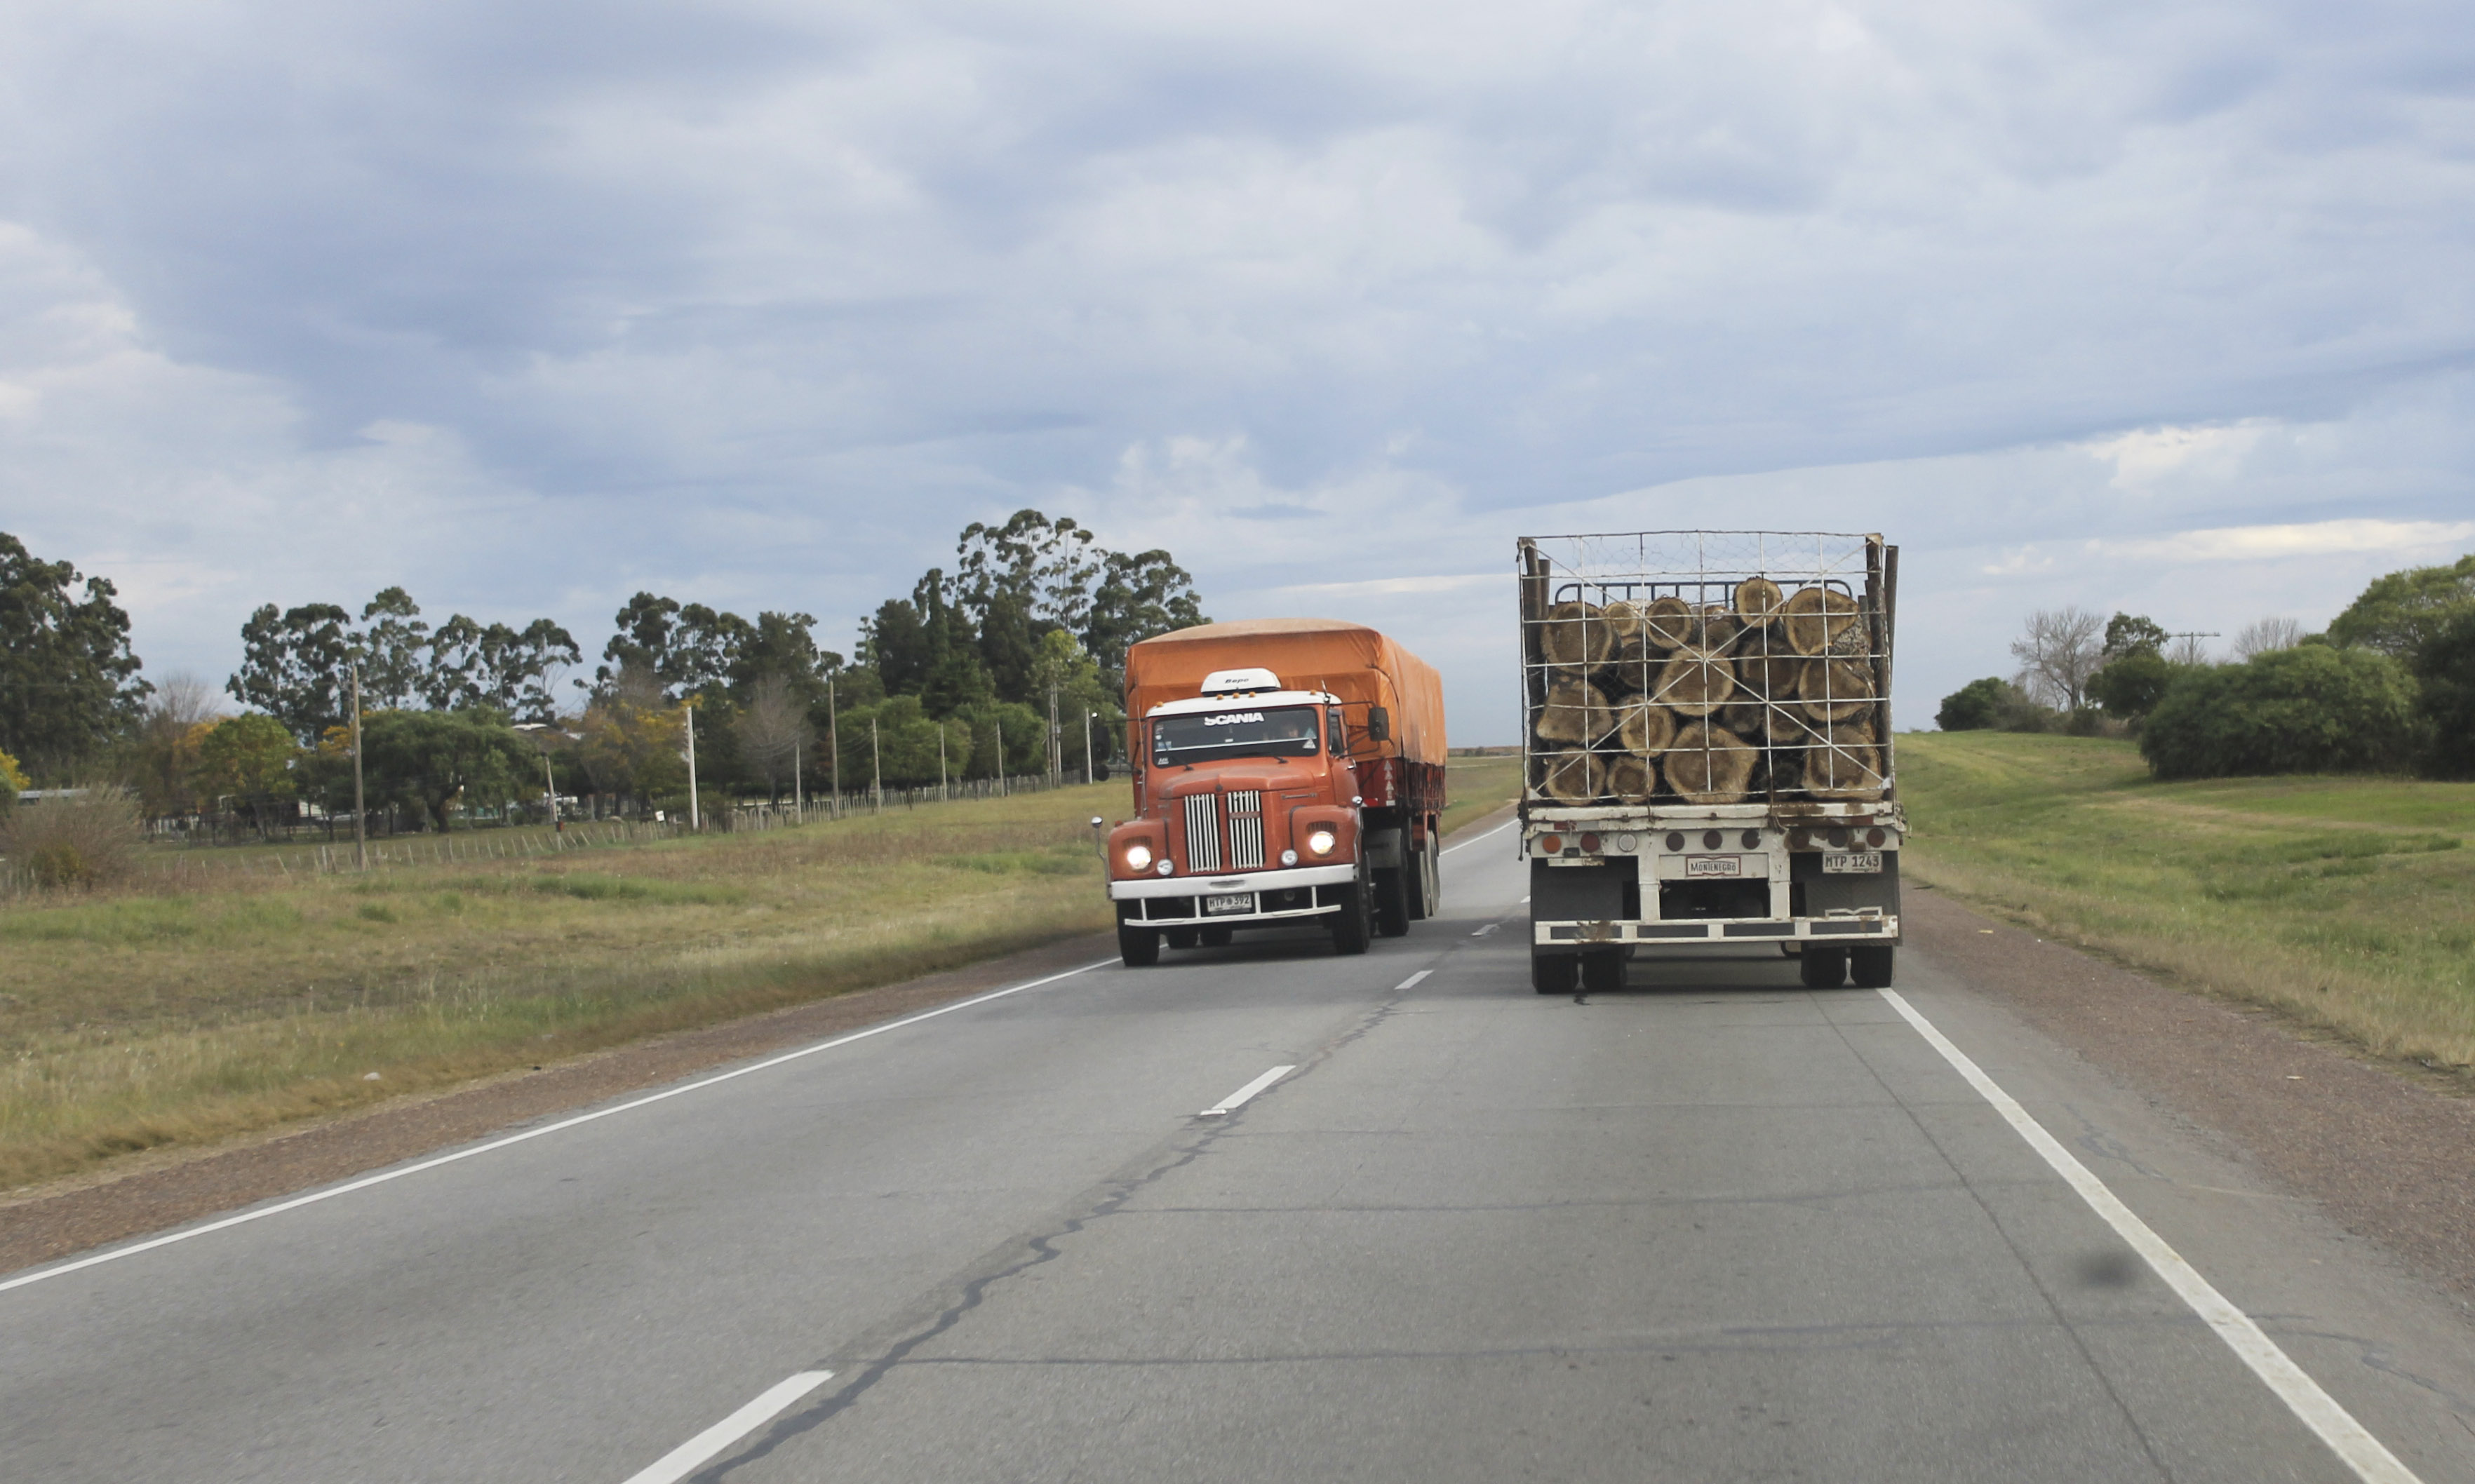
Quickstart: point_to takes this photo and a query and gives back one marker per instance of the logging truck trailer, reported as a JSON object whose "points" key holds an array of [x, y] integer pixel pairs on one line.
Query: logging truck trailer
{"points": [[1708, 751], [1287, 774]]}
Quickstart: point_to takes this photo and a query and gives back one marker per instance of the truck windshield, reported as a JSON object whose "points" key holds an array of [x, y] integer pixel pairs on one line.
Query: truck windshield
{"points": [[1240, 732]]}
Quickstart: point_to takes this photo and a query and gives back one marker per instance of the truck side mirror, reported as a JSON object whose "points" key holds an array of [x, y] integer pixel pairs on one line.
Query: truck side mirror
{"points": [[1379, 725]]}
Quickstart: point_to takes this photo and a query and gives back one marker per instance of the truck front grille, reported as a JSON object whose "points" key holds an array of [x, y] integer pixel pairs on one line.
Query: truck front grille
{"points": [[1245, 829], [1203, 832]]}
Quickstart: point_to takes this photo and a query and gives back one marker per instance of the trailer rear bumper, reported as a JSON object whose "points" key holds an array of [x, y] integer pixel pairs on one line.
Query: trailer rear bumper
{"points": [[1868, 928]]}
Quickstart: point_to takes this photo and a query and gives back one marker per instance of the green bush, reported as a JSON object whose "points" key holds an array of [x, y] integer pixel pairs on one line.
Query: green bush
{"points": [[2311, 710], [2131, 685], [1974, 707]]}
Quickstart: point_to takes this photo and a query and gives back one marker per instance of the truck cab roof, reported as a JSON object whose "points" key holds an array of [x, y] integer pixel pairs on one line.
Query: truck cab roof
{"points": [[1256, 700]]}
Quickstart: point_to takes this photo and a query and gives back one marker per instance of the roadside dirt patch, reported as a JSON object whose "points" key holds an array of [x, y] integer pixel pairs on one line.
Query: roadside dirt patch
{"points": [[2388, 1157], [44, 1225]]}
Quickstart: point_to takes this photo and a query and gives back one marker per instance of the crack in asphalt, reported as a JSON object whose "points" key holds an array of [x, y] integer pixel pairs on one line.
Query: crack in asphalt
{"points": [[1019, 1256]]}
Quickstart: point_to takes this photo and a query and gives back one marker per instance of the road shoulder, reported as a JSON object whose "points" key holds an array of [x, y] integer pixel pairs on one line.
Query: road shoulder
{"points": [[2386, 1158]]}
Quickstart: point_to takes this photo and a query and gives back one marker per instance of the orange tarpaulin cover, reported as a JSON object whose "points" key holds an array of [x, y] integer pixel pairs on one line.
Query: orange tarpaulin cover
{"points": [[1358, 663]]}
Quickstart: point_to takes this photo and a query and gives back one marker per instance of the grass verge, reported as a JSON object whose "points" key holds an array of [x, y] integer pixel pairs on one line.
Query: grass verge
{"points": [[241, 1000], [2346, 903]]}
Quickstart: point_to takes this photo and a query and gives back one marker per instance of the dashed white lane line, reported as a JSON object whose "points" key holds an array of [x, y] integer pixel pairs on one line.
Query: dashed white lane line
{"points": [[1475, 838], [696, 1451], [1411, 982], [2347, 1438], [385, 1176], [1237, 1100], [1485, 930]]}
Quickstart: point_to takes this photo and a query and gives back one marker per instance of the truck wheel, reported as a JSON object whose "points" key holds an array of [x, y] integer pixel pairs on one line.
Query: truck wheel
{"points": [[1872, 965], [1183, 938], [1350, 928], [1213, 937], [1555, 973], [1603, 972], [1139, 947], [1392, 902], [1822, 968]]}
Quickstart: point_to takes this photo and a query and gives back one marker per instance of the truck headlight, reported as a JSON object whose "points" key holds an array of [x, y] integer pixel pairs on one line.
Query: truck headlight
{"points": [[1320, 840], [1289, 857], [1138, 857]]}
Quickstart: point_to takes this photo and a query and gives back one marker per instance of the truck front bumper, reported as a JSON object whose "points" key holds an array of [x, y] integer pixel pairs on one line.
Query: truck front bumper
{"points": [[1859, 927], [1178, 901]]}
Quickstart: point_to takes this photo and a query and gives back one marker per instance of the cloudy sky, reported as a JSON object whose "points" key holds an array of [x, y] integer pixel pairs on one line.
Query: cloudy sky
{"points": [[527, 307]]}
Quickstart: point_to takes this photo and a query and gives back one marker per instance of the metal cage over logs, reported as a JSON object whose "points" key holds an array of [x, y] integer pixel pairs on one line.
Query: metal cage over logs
{"points": [[1708, 668]]}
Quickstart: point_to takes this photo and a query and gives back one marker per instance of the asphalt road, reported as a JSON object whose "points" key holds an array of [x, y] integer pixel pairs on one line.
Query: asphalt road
{"points": [[1715, 1226]]}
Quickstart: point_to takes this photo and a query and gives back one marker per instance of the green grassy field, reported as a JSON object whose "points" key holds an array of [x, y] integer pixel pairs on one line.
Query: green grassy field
{"points": [[2346, 903], [225, 993]]}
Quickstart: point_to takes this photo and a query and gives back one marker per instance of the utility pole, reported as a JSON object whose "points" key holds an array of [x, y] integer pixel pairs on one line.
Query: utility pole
{"points": [[1087, 746], [1000, 726], [799, 803], [696, 820], [942, 791], [360, 822], [875, 768], [834, 750], [1056, 744]]}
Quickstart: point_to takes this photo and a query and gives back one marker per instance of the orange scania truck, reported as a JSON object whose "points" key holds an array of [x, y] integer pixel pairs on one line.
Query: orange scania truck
{"points": [[1288, 772]]}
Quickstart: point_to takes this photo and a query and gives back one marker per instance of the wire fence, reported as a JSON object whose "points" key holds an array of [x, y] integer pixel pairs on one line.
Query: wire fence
{"points": [[197, 862]]}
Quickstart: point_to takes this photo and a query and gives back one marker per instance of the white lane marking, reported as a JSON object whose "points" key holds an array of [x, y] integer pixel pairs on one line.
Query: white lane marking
{"points": [[1411, 982], [1485, 930], [2320, 1412], [385, 1176], [1237, 1100], [1525, 901], [1475, 838], [696, 1451]]}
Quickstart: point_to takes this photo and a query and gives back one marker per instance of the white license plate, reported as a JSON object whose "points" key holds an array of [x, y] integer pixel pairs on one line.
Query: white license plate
{"points": [[1238, 902], [1850, 862], [1713, 865]]}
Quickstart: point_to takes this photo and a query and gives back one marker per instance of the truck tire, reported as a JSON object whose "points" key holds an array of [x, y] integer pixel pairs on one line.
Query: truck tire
{"points": [[1350, 927], [1139, 947], [1213, 937], [1603, 971], [1822, 968], [1392, 902], [1872, 965], [1183, 938], [1555, 973], [1419, 891]]}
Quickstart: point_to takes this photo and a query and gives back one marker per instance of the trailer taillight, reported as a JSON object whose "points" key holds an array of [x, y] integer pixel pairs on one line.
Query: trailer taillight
{"points": [[1551, 844], [1589, 844], [1874, 838]]}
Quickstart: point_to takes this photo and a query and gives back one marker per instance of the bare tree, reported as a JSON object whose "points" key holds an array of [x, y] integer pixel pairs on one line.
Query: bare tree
{"points": [[2263, 635], [168, 732], [773, 730], [2057, 655]]}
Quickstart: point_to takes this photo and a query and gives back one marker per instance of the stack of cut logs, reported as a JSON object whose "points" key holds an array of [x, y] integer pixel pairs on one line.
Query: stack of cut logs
{"points": [[1771, 695]]}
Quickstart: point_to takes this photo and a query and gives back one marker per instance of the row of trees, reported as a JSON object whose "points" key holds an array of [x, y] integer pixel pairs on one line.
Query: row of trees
{"points": [[2388, 686], [958, 680]]}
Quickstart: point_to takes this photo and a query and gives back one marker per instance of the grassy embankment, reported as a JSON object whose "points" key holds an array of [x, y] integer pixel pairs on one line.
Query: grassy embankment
{"points": [[2346, 903], [228, 995]]}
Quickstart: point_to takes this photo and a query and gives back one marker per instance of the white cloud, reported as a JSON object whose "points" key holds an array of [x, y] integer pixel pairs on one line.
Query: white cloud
{"points": [[2403, 540]]}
